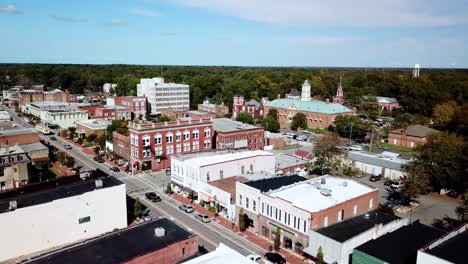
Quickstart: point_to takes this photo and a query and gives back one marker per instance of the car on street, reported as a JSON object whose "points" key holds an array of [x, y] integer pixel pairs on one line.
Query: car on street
{"points": [[115, 169], [274, 258], [202, 217], [53, 138], [384, 148], [302, 138], [67, 146], [388, 183], [98, 159], [186, 208], [254, 258], [355, 148], [145, 215], [375, 178], [398, 199], [152, 196], [396, 185]]}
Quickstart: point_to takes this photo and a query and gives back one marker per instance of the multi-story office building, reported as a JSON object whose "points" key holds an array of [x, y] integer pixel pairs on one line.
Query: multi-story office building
{"points": [[163, 95]]}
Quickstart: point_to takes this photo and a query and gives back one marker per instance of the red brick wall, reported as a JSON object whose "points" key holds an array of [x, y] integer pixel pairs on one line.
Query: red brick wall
{"points": [[171, 254], [89, 131], [276, 142], [362, 203], [20, 139], [106, 113], [255, 138], [121, 145], [405, 140]]}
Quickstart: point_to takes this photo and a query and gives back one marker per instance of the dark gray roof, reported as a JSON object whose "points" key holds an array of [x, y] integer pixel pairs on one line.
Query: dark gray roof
{"points": [[44, 192], [415, 131], [352, 227], [119, 247], [227, 125], [377, 160], [254, 103], [295, 92], [453, 249], [402, 245], [268, 184]]}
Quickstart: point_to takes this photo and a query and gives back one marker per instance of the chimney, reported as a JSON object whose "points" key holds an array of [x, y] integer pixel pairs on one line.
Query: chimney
{"points": [[327, 101]]}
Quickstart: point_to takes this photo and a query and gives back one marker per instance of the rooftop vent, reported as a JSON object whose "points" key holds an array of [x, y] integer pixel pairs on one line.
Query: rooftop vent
{"points": [[367, 216], [13, 205], [325, 192], [344, 184], [323, 181], [99, 184], [159, 232]]}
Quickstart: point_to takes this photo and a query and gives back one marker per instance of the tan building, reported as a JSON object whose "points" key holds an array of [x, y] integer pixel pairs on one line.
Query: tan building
{"points": [[13, 167], [220, 110], [92, 126], [319, 114], [410, 136]]}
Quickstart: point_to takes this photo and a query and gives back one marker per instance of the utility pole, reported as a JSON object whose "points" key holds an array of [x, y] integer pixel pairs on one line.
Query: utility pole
{"points": [[351, 132], [371, 140]]}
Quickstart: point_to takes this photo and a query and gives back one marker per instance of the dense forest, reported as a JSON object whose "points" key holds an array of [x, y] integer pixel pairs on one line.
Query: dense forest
{"points": [[416, 95]]}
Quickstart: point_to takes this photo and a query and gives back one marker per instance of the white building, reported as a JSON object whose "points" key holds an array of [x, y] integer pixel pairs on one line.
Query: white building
{"points": [[339, 240], [163, 95], [4, 116], [35, 219], [386, 164], [108, 86], [64, 115], [222, 254], [189, 170], [449, 249]]}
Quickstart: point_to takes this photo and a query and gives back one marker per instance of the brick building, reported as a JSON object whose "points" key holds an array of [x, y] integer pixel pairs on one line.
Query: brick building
{"points": [[161, 241], [410, 136], [295, 205], [152, 144], [92, 126], [231, 134], [136, 104], [274, 140], [387, 103], [193, 114], [107, 112], [34, 96], [219, 110], [253, 107], [11, 133], [121, 145]]}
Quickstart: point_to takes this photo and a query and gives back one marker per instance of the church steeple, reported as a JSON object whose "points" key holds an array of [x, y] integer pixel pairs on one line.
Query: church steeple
{"points": [[339, 98]]}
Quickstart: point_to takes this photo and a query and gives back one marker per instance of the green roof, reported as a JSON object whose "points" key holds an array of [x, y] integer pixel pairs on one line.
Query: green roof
{"points": [[314, 106]]}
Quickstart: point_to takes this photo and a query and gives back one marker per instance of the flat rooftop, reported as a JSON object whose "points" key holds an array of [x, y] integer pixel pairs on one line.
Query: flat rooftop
{"points": [[95, 123], [284, 161], [381, 160], [352, 227], [453, 249], [402, 245], [119, 247], [222, 254], [274, 183], [228, 185], [227, 125], [34, 147], [321, 193], [48, 191], [209, 158], [13, 128], [198, 112]]}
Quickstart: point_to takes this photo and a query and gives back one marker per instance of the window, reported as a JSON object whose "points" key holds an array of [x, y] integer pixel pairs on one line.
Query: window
{"points": [[207, 132], [186, 147], [84, 220], [158, 139], [340, 215], [195, 145], [251, 167], [221, 174], [179, 148], [183, 251], [178, 135], [305, 225], [325, 221], [195, 134], [169, 138], [146, 140], [146, 153], [371, 203], [242, 169], [294, 222], [158, 151], [186, 135], [207, 143], [169, 150], [247, 202], [208, 177], [240, 200], [254, 205], [355, 209]]}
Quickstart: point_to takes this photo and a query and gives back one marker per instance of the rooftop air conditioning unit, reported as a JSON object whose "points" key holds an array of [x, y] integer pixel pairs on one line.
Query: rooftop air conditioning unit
{"points": [[325, 192], [159, 232], [345, 184], [367, 216], [99, 184], [323, 181], [13, 205]]}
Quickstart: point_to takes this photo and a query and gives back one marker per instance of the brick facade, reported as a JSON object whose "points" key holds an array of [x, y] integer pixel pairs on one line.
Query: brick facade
{"points": [[183, 114], [87, 130], [252, 107], [254, 137], [152, 144], [218, 110], [28, 97], [136, 104], [20, 139], [121, 145]]}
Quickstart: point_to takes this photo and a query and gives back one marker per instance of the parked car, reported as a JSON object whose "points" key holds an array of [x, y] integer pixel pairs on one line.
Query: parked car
{"points": [[388, 183], [274, 258], [254, 258], [302, 138], [453, 194], [115, 169], [384, 148], [145, 215], [53, 138], [186, 208], [290, 135], [67, 146], [375, 178], [98, 159], [355, 148], [396, 185], [202, 217], [152, 196], [360, 175], [397, 198]]}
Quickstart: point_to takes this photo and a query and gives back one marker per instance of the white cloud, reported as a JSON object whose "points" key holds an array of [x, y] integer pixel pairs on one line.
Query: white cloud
{"points": [[116, 23], [9, 9], [68, 19], [368, 13], [144, 12]]}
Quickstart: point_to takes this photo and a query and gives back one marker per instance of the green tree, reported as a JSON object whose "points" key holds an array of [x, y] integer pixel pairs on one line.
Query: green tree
{"points": [[61, 157], [91, 137], [241, 220], [69, 161], [101, 141], [169, 188], [271, 121], [72, 130], [462, 209], [165, 118], [119, 126], [299, 120], [445, 113], [320, 256], [277, 241], [369, 107], [245, 117], [348, 125], [385, 209], [441, 161], [97, 149], [137, 208]]}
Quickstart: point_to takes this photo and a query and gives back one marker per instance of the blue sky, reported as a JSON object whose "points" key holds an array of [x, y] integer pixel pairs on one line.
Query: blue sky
{"points": [[362, 33]]}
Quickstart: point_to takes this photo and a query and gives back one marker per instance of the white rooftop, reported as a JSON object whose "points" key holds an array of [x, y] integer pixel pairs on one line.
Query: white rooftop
{"points": [[95, 123], [4, 115], [313, 196], [210, 158], [223, 254]]}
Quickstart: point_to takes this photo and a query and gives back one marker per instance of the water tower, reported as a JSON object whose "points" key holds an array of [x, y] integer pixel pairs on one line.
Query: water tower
{"points": [[416, 71]]}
